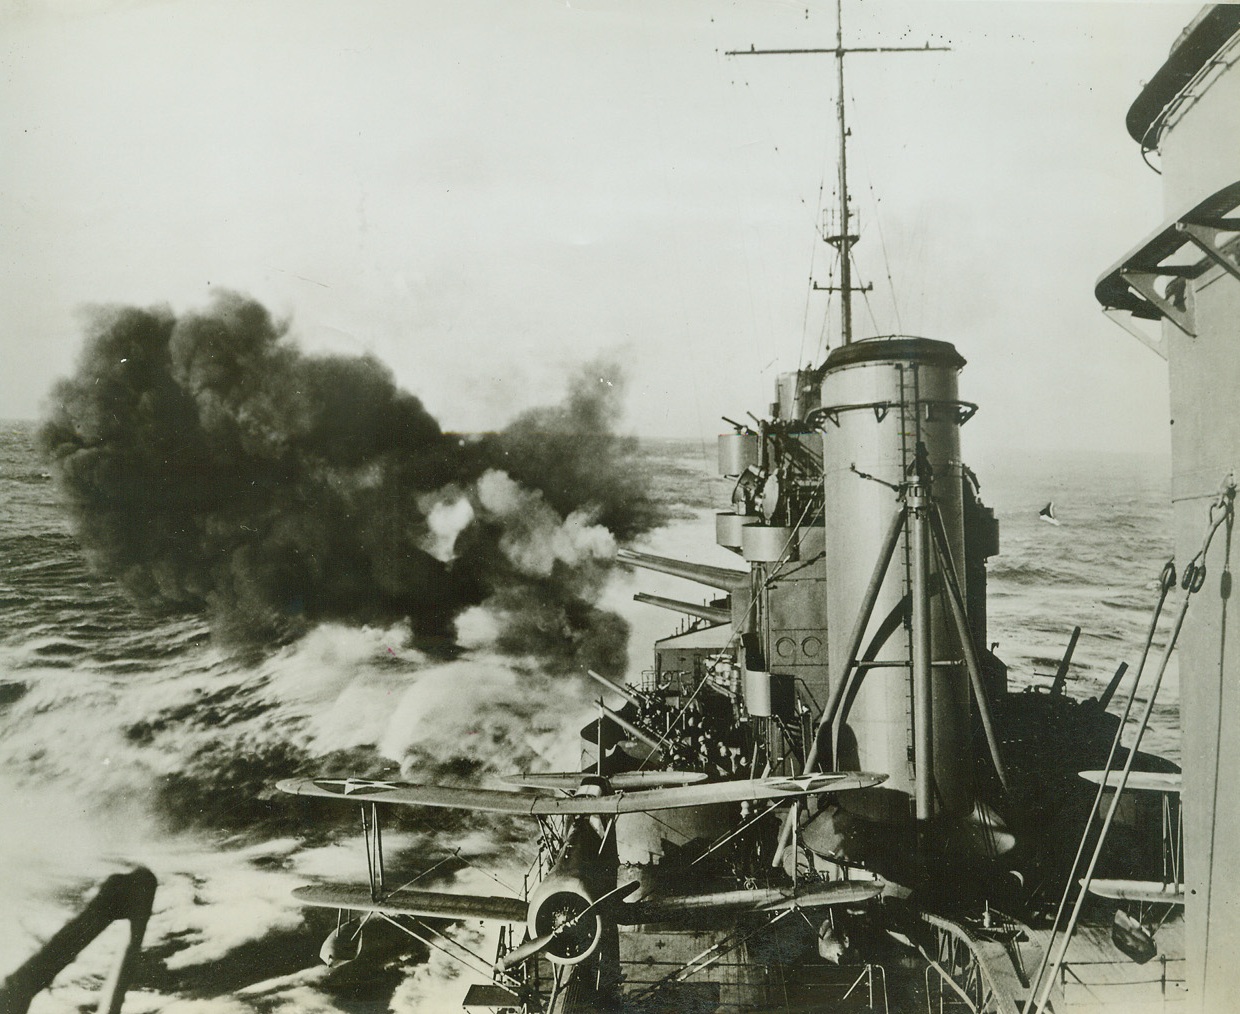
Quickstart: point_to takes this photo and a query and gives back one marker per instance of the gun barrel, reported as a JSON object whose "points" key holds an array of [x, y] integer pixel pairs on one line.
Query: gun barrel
{"points": [[713, 614], [713, 577], [631, 729], [615, 687], [1061, 674]]}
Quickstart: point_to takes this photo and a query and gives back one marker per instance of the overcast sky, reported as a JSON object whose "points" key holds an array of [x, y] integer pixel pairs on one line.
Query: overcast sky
{"points": [[482, 193]]}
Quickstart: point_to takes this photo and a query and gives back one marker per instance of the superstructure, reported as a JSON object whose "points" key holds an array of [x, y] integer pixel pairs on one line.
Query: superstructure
{"points": [[824, 795]]}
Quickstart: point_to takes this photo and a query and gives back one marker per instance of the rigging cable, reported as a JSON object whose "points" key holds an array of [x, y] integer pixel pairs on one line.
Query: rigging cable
{"points": [[824, 338], [865, 294], [882, 240], [482, 968], [1229, 492], [1166, 583], [1192, 582], [789, 187], [818, 235]]}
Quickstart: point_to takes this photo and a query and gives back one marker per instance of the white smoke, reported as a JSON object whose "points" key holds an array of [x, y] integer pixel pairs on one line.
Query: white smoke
{"points": [[478, 627], [534, 536], [448, 513], [340, 682], [484, 710]]}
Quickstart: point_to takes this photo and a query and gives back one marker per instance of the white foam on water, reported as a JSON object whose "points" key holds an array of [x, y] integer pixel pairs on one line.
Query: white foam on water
{"points": [[84, 753]]}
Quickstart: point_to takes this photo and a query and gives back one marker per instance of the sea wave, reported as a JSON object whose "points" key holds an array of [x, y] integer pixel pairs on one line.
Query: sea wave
{"points": [[127, 737]]}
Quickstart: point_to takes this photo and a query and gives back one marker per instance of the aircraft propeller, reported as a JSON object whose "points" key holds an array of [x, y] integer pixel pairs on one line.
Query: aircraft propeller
{"points": [[536, 945]]}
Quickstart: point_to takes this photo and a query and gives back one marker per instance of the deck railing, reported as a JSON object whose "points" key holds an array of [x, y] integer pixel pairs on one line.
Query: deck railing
{"points": [[1156, 986]]}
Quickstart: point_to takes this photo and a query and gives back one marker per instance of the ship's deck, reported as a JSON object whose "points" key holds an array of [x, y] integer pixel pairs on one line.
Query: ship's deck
{"points": [[1096, 976]]}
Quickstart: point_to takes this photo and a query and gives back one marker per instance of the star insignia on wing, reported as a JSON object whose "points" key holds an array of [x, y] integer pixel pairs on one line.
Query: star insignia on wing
{"points": [[352, 786], [808, 783]]}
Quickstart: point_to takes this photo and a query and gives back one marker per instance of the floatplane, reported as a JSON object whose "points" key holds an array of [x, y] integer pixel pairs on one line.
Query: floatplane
{"points": [[1155, 900], [572, 915]]}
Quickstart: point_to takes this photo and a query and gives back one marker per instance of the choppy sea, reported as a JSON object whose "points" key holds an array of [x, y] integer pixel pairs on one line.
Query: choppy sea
{"points": [[129, 738]]}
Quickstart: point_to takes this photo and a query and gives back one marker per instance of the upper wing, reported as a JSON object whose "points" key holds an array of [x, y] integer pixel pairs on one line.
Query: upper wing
{"points": [[1150, 781], [572, 780], [641, 801], [365, 791], [437, 904]]}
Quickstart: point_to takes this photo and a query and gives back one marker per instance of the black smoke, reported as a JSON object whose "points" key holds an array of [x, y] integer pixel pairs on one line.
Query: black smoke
{"points": [[212, 467]]}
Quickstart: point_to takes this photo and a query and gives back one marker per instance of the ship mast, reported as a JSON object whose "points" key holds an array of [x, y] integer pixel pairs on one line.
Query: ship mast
{"points": [[844, 239]]}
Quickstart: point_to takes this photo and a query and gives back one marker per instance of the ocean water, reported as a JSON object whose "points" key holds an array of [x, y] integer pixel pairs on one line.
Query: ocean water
{"points": [[129, 738]]}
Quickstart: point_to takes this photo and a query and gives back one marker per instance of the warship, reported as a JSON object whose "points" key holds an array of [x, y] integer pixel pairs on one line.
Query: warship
{"points": [[823, 794]]}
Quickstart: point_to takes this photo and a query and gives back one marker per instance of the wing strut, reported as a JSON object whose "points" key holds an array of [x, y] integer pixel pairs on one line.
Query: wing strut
{"points": [[372, 832], [476, 963]]}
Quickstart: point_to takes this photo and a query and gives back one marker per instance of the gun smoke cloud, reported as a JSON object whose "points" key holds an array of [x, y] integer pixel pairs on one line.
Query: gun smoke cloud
{"points": [[212, 467]]}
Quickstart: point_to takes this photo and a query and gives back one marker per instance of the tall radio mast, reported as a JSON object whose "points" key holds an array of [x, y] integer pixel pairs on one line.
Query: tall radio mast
{"points": [[844, 239]]}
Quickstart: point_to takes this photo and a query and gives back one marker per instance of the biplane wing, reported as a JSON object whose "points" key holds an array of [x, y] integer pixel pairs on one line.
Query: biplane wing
{"points": [[1147, 891], [532, 804], [571, 781], [768, 899], [430, 904], [1141, 781], [446, 905]]}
